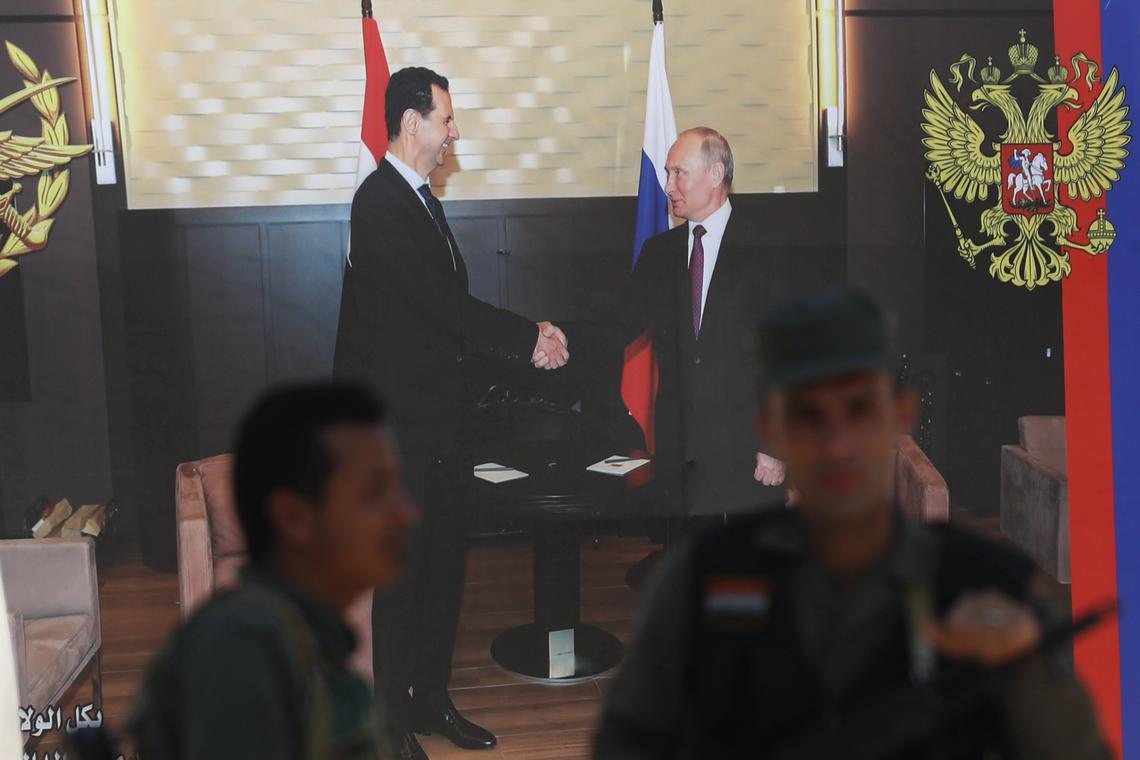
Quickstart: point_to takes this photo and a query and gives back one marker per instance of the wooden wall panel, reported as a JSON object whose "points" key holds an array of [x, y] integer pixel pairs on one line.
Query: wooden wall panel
{"points": [[479, 243], [227, 317], [306, 270]]}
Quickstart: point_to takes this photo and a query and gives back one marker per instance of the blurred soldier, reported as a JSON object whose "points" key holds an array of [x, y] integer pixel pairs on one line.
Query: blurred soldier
{"points": [[765, 632], [261, 671]]}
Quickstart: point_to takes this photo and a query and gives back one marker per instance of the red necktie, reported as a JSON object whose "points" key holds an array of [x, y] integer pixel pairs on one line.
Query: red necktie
{"points": [[697, 276]]}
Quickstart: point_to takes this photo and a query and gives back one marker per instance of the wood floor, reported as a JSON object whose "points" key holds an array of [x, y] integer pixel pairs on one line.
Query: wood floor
{"points": [[139, 607]]}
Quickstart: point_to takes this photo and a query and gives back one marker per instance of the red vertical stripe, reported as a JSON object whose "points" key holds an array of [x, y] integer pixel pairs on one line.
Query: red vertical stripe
{"points": [[373, 129], [1088, 409], [639, 386]]}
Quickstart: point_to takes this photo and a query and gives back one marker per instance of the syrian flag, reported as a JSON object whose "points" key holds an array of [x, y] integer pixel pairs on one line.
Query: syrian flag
{"points": [[373, 129], [639, 375]]}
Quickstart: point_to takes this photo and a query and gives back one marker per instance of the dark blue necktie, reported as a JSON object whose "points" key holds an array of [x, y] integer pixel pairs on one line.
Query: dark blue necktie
{"points": [[435, 208]]}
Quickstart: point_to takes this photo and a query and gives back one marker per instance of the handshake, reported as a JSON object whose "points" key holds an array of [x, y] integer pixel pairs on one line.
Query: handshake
{"points": [[552, 349]]}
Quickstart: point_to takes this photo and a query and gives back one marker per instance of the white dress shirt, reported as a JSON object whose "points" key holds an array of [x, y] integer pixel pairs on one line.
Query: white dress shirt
{"points": [[410, 175], [714, 233]]}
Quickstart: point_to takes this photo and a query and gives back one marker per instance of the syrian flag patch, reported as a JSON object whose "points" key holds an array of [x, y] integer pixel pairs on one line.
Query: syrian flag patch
{"points": [[737, 596]]}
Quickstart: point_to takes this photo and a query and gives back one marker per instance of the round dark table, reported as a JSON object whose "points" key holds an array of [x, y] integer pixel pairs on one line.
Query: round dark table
{"points": [[557, 497]]}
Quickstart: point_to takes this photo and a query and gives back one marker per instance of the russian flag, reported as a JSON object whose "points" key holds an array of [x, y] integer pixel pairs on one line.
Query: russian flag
{"points": [[1102, 390], [639, 374], [373, 128]]}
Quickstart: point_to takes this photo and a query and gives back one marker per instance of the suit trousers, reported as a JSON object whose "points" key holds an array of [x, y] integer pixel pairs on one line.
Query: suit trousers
{"points": [[414, 623]]}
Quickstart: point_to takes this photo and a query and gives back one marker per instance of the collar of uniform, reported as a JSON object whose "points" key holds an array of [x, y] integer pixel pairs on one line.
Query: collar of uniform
{"points": [[716, 222], [783, 535], [410, 175], [910, 558], [327, 623]]}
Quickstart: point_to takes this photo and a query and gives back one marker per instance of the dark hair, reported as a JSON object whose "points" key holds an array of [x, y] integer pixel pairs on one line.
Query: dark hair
{"points": [[279, 446], [410, 88]]}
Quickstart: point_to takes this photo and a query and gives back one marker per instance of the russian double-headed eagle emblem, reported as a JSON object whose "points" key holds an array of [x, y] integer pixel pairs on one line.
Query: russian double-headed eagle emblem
{"points": [[1024, 173], [44, 157]]}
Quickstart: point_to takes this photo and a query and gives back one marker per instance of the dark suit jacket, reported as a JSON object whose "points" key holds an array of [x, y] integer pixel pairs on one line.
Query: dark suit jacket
{"points": [[706, 440], [407, 321]]}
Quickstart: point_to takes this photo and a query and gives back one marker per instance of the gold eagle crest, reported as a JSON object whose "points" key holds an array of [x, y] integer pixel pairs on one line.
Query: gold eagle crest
{"points": [[1024, 171], [46, 156]]}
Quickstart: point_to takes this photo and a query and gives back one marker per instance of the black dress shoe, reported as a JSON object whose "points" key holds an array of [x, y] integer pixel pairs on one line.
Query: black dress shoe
{"points": [[448, 723], [407, 746]]}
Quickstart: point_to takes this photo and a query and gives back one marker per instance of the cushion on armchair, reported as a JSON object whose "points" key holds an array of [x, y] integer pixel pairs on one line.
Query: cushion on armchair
{"points": [[54, 648]]}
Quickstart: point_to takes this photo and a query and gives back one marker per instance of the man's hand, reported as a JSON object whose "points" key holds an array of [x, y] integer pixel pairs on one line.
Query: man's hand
{"points": [[987, 627], [550, 352], [769, 470]]}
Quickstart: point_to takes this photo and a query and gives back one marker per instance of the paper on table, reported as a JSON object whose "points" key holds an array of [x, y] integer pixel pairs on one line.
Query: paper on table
{"points": [[617, 465], [493, 472]]}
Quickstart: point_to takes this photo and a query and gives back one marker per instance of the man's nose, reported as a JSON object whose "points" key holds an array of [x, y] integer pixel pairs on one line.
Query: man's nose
{"points": [[453, 133], [837, 440]]}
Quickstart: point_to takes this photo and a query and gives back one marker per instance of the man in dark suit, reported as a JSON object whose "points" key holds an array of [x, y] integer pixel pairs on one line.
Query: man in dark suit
{"points": [[698, 289], [407, 322]]}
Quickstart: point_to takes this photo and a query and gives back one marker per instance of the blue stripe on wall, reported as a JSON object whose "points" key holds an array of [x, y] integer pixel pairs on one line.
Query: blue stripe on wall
{"points": [[1120, 29]]}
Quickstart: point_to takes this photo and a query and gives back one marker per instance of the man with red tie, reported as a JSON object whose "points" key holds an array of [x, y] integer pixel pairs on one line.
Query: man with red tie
{"points": [[698, 289]]}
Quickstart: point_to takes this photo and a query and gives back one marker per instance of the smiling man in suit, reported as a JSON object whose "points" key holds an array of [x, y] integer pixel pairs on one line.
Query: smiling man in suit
{"points": [[698, 288], [407, 323]]}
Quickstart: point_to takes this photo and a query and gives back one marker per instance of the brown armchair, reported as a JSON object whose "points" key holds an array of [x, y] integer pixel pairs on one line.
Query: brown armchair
{"points": [[52, 591], [211, 548], [1035, 493]]}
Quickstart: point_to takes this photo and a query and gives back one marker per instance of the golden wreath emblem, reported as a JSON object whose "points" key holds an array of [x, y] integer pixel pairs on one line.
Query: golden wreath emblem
{"points": [[47, 156], [1026, 160]]}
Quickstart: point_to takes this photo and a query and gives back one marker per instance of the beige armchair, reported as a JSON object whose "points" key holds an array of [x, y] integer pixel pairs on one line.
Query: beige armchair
{"points": [[211, 548], [920, 490], [52, 592], [1035, 493]]}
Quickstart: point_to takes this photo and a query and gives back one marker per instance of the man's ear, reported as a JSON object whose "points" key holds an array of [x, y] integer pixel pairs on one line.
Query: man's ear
{"points": [[410, 121], [716, 171], [291, 517]]}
